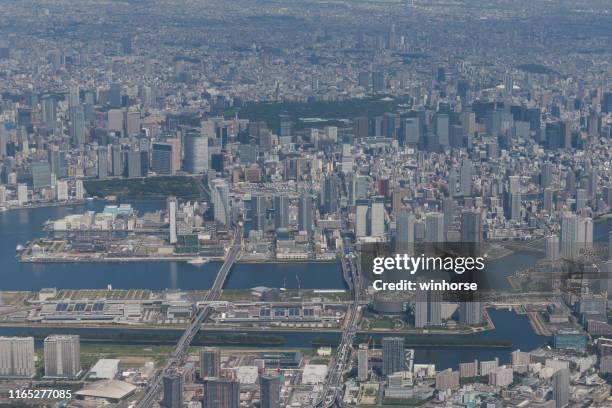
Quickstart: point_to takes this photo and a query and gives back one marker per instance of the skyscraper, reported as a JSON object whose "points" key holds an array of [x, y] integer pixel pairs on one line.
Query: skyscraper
{"points": [[114, 96], [61, 189], [361, 218], [118, 162], [581, 199], [22, 193], [102, 162], [79, 189], [138, 163], [471, 226], [3, 140], [427, 308], [270, 387], [171, 207], [161, 158], [281, 211], [442, 129], [41, 174], [259, 205], [221, 393], [465, 177], [196, 154], [77, 126], [404, 236], [393, 355], [74, 96], [470, 313], [576, 235], [62, 356], [305, 211], [49, 111], [561, 384], [434, 227], [330, 194], [377, 217], [17, 357], [210, 362], [173, 390], [362, 362], [220, 199]]}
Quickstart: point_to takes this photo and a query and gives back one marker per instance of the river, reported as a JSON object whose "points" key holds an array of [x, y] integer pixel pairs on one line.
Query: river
{"points": [[510, 327]]}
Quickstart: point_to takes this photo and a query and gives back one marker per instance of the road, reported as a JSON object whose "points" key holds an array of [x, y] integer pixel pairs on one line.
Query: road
{"points": [[342, 357], [181, 350]]}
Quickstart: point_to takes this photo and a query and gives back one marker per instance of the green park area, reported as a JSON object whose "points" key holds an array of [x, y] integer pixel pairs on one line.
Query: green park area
{"points": [[144, 188], [317, 113]]}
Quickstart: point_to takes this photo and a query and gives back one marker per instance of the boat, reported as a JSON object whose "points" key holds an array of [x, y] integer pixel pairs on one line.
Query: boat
{"points": [[197, 261], [19, 248]]}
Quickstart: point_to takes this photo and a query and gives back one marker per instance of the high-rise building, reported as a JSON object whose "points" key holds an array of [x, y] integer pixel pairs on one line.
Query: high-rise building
{"points": [[22, 193], [547, 202], [41, 174], [305, 212], [210, 362], [79, 189], [447, 379], [221, 393], [561, 384], [361, 126], [161, 158], [393, 355], [465, 178], [62, 356], [259, 204], [49, 111], [270, 388], [404, 237], [576, 235], [171, 207], [378, 81], [196, 153], [520, 358], [114, 96], [470, 313], [471, 226], [115, 120], [118, 162], [362, 362], [77, 126], [219, 191], [552, 248], [361, 218], [468, 370], [411, 132], [569, 226], [61, 190], [138, 163], [434, 227], [427, 309], [3, 140], [281, 211], [173, 390], [285, 126], [17, 357], [442, 129], [377, 217], [546, 174], [102, 162], [501, 377], [330, 194]]}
